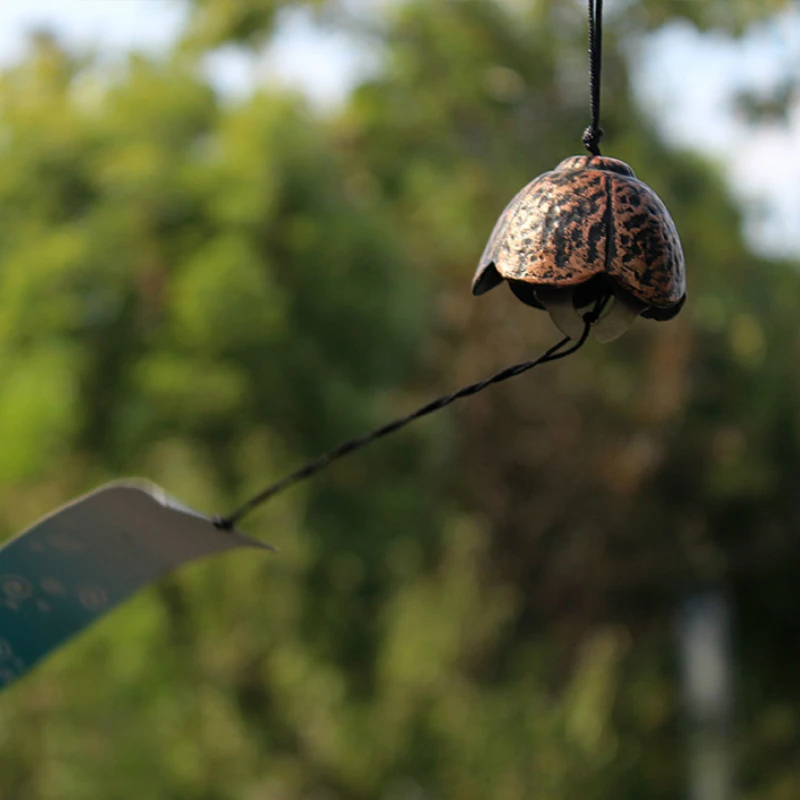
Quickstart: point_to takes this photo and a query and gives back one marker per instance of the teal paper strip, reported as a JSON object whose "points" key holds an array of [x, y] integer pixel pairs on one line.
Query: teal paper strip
{"points": [[73, 566]]}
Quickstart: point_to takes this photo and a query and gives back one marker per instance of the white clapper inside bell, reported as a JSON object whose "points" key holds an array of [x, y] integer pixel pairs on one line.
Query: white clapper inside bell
{"points": [[616, 317]]}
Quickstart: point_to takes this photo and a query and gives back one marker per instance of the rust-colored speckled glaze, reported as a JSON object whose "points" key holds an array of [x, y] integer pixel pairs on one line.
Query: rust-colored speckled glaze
{"points": [[589, 216]]}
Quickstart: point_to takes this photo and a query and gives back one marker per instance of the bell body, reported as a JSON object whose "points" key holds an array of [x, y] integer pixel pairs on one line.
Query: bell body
{"points": [[588, 227]]}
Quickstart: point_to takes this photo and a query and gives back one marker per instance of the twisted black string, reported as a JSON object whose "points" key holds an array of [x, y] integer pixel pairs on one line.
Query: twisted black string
{"points": [[312, 467], [593, 134]]}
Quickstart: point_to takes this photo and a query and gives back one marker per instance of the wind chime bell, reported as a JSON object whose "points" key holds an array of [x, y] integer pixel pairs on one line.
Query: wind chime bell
{"points": [[586, 231]]}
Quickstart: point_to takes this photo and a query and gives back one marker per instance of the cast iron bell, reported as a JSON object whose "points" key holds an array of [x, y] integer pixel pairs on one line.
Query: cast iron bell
{"points": [[586, 230]]}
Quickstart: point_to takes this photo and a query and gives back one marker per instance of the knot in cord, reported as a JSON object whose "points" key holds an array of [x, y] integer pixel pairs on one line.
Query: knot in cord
{"points": [[590, 317], [591, 139]]}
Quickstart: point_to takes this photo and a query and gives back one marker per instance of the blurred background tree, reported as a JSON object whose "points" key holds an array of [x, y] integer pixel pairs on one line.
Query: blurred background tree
{"points": [[207, 291]]}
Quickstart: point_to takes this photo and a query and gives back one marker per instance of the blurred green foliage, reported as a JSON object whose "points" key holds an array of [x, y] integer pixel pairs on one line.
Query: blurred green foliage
{"points": [[206, 292]]}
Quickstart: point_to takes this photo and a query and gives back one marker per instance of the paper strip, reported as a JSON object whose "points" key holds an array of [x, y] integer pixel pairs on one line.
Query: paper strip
{"points": [[73, 566]]}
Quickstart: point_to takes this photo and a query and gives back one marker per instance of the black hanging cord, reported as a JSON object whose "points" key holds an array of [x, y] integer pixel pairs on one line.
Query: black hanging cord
{"points": [[312, 467], [593, 134]]}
